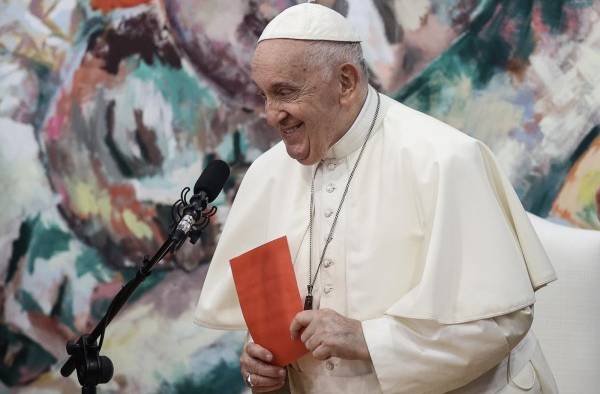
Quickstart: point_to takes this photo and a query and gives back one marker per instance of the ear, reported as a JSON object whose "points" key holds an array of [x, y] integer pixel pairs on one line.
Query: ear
{"points": [[349, 80]]}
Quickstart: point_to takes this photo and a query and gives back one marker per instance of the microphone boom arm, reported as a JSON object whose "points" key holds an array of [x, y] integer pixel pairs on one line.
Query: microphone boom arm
{"points": [[93, 369]]}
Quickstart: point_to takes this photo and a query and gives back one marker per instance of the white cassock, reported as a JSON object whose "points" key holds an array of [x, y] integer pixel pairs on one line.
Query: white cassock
{"points": [[432, 251]]}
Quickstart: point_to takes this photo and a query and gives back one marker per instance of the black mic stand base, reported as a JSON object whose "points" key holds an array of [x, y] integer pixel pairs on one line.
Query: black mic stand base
{"points": [[92, 368]]}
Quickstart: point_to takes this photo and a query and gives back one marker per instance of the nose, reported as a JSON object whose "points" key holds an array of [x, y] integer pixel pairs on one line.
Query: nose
{"points": [[275, 114]]}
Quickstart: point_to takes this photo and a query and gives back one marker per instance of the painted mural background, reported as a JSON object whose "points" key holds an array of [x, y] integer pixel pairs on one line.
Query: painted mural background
{"points": [[108, 108]]}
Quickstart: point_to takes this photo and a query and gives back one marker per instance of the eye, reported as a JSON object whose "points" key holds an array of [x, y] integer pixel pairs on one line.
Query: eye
{"points": [[286, 93]]}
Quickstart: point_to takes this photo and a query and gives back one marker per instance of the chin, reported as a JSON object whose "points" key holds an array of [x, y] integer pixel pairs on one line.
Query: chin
{"points": [[308, 161], [300, 157]]}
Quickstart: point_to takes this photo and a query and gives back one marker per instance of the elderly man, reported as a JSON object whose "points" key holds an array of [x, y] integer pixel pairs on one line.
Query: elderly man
{"points": [[414, 256]]}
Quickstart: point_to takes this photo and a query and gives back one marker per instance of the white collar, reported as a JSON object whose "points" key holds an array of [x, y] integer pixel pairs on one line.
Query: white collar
{"points": [[356, 134]]}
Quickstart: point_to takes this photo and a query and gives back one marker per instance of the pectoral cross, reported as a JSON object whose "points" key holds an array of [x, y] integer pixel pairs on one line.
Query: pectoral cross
{"points": [[308, 301]]}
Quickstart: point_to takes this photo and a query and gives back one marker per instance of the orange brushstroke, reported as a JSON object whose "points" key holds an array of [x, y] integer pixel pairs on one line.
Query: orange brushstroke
{"points": [[109, 5], [567, 204], [563, 213]]}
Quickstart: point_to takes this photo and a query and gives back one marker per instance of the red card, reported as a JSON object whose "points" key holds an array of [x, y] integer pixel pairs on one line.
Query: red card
{"points": [[268, 293]]}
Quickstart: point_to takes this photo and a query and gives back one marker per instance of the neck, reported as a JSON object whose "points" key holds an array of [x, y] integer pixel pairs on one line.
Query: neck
{"points": [[354, 109]]}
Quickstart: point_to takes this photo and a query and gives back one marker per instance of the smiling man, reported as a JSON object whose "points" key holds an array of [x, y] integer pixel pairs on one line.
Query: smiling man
{"points": [[415, 259], [302, 98]]}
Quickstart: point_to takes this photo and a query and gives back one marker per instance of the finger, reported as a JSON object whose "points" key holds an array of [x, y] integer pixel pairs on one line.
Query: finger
{"points": [[280, 374], [272, 371], [264, 382], [301, 320], [322, 352], [309, 331], [254, 350], [256, 366], [313, 342]]}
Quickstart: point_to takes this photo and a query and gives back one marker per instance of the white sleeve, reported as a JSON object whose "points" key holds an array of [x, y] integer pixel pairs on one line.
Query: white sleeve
{"points": [[423, 356]]}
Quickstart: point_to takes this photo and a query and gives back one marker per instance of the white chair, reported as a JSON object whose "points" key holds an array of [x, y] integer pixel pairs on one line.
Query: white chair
{"points": [[567, 312]]}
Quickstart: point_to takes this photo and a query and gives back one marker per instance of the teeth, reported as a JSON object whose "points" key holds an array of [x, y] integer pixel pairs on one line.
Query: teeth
{"points": [[291, 130]]}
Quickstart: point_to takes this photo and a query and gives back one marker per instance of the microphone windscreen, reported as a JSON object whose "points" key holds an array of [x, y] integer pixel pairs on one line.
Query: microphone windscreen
{"points": [[212, 179]]}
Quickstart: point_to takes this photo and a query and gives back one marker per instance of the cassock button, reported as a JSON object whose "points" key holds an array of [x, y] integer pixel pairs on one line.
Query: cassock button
{"points": [[327, 263], [330, 188], [328, 212], [331, 165], [329, 365]]}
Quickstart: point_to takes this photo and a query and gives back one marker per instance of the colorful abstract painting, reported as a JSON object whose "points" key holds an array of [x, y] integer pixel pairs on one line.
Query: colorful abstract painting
{"points": [[108, 108]]}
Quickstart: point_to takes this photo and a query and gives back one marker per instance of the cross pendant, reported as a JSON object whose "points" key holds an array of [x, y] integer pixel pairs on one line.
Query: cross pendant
{"points": [[308, 302]]}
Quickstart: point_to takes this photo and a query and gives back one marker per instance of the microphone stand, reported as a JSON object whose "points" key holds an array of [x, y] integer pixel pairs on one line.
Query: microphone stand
{"points": [[190, 218]]}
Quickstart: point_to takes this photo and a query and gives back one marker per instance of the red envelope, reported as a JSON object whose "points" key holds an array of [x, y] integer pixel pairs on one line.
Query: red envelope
{"points": [[268, 293]]}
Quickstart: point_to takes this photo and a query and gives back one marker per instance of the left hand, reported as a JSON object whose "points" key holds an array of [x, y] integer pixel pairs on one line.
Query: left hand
{"points": [[329, 334]]}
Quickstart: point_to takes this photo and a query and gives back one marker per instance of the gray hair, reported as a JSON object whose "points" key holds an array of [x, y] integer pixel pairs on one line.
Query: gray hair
{"points": [[327, 55]]}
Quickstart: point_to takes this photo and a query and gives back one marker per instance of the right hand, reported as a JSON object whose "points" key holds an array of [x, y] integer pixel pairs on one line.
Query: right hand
{"points": [[256, 361]]}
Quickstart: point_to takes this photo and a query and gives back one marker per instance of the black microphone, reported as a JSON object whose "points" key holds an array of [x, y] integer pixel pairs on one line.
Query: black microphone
{"points": [[212, 179], [207, 188]]}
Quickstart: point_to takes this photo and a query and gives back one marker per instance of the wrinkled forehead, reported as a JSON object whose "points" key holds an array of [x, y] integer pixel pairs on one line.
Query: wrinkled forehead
{"points": [[280, 56]]}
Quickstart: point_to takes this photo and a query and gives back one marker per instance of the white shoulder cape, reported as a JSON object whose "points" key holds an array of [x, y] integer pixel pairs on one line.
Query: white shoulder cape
{"points": [[435, 229]]}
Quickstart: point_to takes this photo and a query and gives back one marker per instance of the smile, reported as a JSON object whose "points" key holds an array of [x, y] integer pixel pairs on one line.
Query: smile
{"points": [[291, 130]]}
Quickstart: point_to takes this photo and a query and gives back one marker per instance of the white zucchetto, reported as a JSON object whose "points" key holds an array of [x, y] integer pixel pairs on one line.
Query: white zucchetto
{"points": [[309, 21]]}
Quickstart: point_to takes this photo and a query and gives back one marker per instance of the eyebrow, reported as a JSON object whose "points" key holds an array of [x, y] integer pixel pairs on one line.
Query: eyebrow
{"points": [[279, 85]]}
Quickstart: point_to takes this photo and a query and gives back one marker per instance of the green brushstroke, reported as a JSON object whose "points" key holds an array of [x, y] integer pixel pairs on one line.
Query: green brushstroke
{"points": [[523, 43], [224, 378], [482, 51], [537, 193], [48, 83], [478, 55], [92, 25], [28, 303], [46, 241], [589, 214], [63, 307], [183, 91], [91, 262], [552, 14], [19, 248], [21, 358]]}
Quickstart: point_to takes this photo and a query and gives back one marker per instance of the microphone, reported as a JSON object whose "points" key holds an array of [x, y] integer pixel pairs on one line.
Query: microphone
{"points": [[207, 188], [212, 179]]}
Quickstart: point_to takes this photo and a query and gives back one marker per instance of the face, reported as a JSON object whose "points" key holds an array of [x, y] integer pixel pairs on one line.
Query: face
{"points": [[299, 102]]}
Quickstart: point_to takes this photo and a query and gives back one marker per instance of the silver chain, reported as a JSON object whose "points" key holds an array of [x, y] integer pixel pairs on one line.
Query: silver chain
{"points": [[311, 213]]}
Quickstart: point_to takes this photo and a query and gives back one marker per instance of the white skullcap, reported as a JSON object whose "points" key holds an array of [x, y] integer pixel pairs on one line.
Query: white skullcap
{"points": [[310, 21]]}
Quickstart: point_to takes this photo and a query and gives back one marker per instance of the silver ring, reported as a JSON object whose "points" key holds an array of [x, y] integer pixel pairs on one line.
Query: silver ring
{"points": [[249, 380]]}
